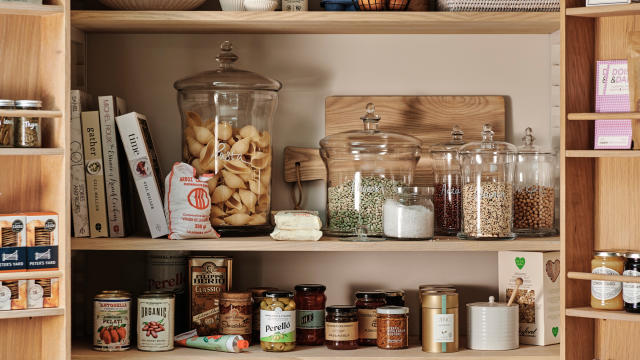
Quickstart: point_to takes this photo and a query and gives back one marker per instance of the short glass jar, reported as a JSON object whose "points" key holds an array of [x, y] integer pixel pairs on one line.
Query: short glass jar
{"points": [[257, 293], [393, 327], [631, 291], [310, 303], [7, 133], [28, 131], [367, 302], [394, 297], [607, 295], [278, 321], [408, 213], [342, 327], [236, 310]]}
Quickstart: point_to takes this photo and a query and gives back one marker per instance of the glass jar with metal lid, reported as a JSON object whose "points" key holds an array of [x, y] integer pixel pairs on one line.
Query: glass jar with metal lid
{"points": [[257, 293], [408, 213], [7, 133], [607, 295], [310, 303], [156, 320], [28, 131], [392, 323], [278, 321], [631, 290], [342, 327], [367, 302]]}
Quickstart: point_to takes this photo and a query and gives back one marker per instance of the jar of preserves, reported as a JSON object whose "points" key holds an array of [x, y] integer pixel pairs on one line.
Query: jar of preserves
{"points": [[607, 295], [257, 293], [447, 196], [394, 297], [408, 213], [310, 303], [439, 321], [534, 189], [6, 124], [630, 290], [342, 327], [487, 188], [226, 119], [393, 327], [367, 302], [28, 131], [278, 321], [363, 168], [236, 310]]}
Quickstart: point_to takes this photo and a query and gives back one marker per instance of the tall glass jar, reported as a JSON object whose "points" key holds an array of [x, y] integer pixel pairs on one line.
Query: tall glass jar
{"points": [[408, 213], [488, 168], [363, 167], [226, 117], [534, 190], [6, 124], [257, 294], [310, 302], [447, 198]]}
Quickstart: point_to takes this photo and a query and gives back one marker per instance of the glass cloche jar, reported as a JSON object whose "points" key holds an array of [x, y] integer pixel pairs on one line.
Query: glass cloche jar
{"points": [[363, 168], [534, 189], [488, 169], [226, 120]]}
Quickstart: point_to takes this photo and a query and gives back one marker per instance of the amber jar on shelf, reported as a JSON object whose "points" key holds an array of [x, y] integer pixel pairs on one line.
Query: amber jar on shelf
{"points": [[341, 327], [367, 302], [393, 327], [310, 302], [394, 297], [236, 310], [607, 295]]}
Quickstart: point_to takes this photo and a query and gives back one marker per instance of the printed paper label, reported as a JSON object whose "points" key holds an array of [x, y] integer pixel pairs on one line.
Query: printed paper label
{"points": [[278, 326], [367, 328], [341, 331], [612, 140], [443, 328], [605, 290], [310, 319], [631, 291]]}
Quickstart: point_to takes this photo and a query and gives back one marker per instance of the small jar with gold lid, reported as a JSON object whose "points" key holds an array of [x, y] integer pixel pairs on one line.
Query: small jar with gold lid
{"points": [[439, 321], [607, 295]]}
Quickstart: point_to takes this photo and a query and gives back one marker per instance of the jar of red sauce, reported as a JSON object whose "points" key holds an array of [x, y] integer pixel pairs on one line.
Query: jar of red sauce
{"points": [[367, 302], [310, 302], [342, 327]]}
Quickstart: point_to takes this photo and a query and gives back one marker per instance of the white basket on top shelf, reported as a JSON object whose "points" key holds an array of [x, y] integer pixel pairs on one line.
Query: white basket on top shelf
{"points": [[499, 5]]}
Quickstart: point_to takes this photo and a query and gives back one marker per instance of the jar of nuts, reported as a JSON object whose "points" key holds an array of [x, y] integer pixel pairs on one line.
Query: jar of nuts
{"points": [[6, 124], [27, 128]]}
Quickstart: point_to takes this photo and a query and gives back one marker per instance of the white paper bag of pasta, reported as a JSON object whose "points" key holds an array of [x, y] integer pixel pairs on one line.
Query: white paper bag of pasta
{"points": [[187, 204]]}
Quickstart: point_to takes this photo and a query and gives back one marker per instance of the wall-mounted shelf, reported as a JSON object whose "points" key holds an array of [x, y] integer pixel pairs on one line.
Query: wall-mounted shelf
{"points": [[21, 8], [605, 10], [32, 113], [602, 153], [18, 314], [603, 116], [588, 312], [24, 275], [31, 151], [589, 276]]}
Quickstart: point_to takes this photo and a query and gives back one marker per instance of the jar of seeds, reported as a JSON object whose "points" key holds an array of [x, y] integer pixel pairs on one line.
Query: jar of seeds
{"points": [[6, 124], [487, 169], [27, 129], [534, 190], [363, 168]]}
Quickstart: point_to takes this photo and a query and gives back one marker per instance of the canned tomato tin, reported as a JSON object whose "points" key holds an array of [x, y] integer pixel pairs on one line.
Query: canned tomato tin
{"points": [[112, 315], [156, 311]]}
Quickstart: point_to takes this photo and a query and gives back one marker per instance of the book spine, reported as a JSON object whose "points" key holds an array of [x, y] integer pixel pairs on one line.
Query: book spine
{"points": [[79, 211], [94, 174]]}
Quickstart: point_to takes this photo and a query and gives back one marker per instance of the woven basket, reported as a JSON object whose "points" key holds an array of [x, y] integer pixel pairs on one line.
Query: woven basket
{"points": [[152, 4], [499, 5]]}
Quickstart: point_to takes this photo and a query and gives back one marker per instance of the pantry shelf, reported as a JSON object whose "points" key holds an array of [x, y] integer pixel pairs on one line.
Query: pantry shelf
{"points": [[17, 314], [30, 151], [601, 153], [603, 116], [31, 113], [21, 8], [25, 275], [605, 10], [316, 22], [590, 276], [588, 312]]}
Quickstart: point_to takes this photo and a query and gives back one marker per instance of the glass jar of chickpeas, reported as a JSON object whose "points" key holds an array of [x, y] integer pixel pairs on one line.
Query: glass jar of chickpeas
{"points": [[278, 321]]}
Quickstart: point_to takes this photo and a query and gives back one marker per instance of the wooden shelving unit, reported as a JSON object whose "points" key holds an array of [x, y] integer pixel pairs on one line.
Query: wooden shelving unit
{"points": [[605, 10], [20, 8], [602, 153], [603, 116], [29, 275], [31, 313], [590, 313], [31, 152]]}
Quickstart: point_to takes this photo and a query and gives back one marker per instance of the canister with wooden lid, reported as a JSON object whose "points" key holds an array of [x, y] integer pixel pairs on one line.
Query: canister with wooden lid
{"points": [[493, 325], [439, 321]]}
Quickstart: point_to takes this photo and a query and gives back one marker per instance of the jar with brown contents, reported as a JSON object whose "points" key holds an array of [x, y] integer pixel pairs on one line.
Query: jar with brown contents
{"points": [[310, 303], [236, 311], [6, 124], [341, 327], [393, 327], [367, 302], [28, 132]]}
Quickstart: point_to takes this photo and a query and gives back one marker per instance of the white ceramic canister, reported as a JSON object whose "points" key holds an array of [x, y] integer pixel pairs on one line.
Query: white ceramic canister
{"points": [[492, 325]]}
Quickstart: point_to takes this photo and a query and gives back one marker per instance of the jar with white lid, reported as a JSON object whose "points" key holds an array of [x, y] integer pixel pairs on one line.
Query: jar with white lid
{"points": [[493, 325]]}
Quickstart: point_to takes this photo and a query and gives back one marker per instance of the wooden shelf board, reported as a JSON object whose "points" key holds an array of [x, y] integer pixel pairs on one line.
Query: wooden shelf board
{"points": [[601, 153], [20, 8], [32, 113], [589, 276], [30, 151], [588, 312], [16, 314], [605, 10], [265, 243], [603, 116], [316, 22], [24, 275]]}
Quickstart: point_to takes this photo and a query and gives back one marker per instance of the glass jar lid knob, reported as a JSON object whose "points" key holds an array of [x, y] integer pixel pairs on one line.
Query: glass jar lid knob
{"points": [[528, 137], [456, 135], [226, 57], [371, 119], [487, 136]]}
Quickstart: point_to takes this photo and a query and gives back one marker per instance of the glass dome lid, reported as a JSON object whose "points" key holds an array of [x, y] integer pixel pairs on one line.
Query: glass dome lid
{"points": [[528, 147], [226, 77], [488, 145], [453, 144]]}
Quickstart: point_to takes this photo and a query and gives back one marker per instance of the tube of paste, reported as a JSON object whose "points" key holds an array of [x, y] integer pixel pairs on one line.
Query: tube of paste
{"points": [[224, 343]]}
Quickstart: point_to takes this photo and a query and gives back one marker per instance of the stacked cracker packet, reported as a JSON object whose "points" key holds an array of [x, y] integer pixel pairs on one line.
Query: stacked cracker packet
{"points": [[297, 225]]}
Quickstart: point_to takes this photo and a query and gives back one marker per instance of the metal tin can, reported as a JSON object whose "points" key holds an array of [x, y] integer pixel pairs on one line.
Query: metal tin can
{"points": [[28, 129], [439, 321], [209, 277], [156, 316], [167, 271], [112, 319]]}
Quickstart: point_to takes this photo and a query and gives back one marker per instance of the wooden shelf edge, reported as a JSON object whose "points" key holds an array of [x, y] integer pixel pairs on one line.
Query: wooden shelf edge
{"points": [[18, 314], [605, 10], [24, 275], [32, 113], [603, 116], [20, 8], [31, 151], [588, 312], [602, 153], [589, 276]]}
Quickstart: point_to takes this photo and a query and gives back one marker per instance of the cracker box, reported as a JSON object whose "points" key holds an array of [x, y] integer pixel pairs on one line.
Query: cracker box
{"points": [[612, 95], [538, 296], [13, 243], [42, 241], [43, 293], [13, 295]]}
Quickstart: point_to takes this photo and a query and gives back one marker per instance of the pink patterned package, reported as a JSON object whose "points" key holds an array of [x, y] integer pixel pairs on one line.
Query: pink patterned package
{"points": [[612, 95]]}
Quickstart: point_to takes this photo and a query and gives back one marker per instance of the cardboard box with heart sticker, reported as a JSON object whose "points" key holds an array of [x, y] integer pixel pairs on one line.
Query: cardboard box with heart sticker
{"points": [[538, 296]]}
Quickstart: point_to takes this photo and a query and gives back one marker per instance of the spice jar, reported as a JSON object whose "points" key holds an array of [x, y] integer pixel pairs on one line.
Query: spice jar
{"points": [[394, 297], [393, 327], [363, 168], [278, 321], [447, 198], [534, 192], [487, 188], [631, 291], [28, 132], [439, 321], [236, 310], [367, 302], [342, 327], [408, 213], [6, 124], [607, 295], [257, 293], [310, 302]]}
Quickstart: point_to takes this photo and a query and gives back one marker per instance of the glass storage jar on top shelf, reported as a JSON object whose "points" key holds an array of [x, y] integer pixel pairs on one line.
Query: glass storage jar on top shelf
{"points": [[488, 169], [226, 117], [363, 167]]}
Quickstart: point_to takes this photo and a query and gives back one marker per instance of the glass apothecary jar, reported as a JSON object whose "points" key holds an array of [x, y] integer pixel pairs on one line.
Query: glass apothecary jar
{"points": [[534, 190], [227, 117], [408, 213], [363, 168], [488, 169], [447, 197]]}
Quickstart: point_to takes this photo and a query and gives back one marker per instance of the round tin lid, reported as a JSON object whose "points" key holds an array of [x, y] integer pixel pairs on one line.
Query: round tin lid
{"points": [[370, 295], [392, 310], [29, 103], [279, 294], [435, 299], [632, 255], [156, 294], [236, 295], [491, 304], [310, 287], [342, 309], [607, 253], [6, 102]]}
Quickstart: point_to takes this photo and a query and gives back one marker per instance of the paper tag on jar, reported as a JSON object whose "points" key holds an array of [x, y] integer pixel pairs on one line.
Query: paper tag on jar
{"points": [[443, 328], [605, 290]]}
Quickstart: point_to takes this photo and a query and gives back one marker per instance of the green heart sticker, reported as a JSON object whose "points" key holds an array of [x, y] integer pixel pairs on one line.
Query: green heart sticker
{"points": [[520, 262], [554, 330]]}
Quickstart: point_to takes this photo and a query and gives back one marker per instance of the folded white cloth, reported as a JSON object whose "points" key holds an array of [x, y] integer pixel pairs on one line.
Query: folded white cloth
{"points": [[297, 220], [280, 234]]}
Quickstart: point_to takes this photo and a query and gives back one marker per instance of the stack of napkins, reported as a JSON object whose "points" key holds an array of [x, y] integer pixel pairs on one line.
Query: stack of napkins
{"points": [[297, 225]]}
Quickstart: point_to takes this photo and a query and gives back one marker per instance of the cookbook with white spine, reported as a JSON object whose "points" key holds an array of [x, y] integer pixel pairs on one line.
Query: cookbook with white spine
{"points": [[80, 101]]}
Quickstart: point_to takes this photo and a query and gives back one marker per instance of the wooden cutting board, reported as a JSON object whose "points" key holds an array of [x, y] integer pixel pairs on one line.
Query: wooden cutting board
{"points": [[429, 118]]}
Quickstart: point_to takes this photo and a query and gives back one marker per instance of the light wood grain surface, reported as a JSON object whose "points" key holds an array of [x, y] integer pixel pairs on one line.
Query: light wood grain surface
{"points": [[605, 10], [34, 113], [603, 116], [20, 8], [308, 161], [28, 313], [588, 312], [24, 275], [589, 276], [602, 153]]}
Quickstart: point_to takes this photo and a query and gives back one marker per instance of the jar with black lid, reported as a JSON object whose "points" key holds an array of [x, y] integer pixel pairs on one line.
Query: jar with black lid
{"points": [[341, 327], [310, 302], [630, 290], [367, 302], [394, 297]]}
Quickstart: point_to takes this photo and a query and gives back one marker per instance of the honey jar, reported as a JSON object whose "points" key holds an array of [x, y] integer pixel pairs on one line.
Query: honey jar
{"points": [[607, 295]]}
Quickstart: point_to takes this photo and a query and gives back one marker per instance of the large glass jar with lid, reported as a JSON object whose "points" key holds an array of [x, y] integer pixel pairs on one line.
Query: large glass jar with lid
{"points": [[488, 169], [447, 197], [363, 167], [534, 189], [226, 119]]}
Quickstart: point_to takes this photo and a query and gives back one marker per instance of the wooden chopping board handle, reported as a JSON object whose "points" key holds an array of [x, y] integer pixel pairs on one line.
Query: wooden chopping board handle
{"points": [[309, 162]]}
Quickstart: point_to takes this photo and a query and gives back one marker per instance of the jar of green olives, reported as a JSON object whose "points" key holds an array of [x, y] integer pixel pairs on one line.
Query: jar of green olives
{"points": [[278, 321]]}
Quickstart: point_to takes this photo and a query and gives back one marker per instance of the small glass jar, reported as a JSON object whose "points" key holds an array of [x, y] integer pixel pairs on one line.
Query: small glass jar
{"points": [[310, 303], [236, 310], [257, 293], [342, 327], [393, 327], [7, 132], [367, 302], [631, 291], [28, 131], [394, 297], [278, 321], [607, 295], [408, 213]]}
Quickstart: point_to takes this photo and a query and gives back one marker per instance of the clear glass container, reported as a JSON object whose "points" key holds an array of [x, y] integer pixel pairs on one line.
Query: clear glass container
{"points": [[227, 117], [278, 321], [534, 190], [6, 124], [408, 213], [28, 129], [447, 197], [363, 167], [488, 169]]}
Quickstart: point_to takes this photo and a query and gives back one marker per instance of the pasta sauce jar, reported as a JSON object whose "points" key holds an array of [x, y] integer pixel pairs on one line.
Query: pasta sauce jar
{"points": [[631, 291], [393, 327], [235, 314], [607, 295], [342, 327], [310, 302], [367, 302]]}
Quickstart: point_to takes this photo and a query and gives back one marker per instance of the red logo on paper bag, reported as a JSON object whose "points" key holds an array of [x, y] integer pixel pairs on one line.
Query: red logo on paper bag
{"points": [[198, 198]]}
